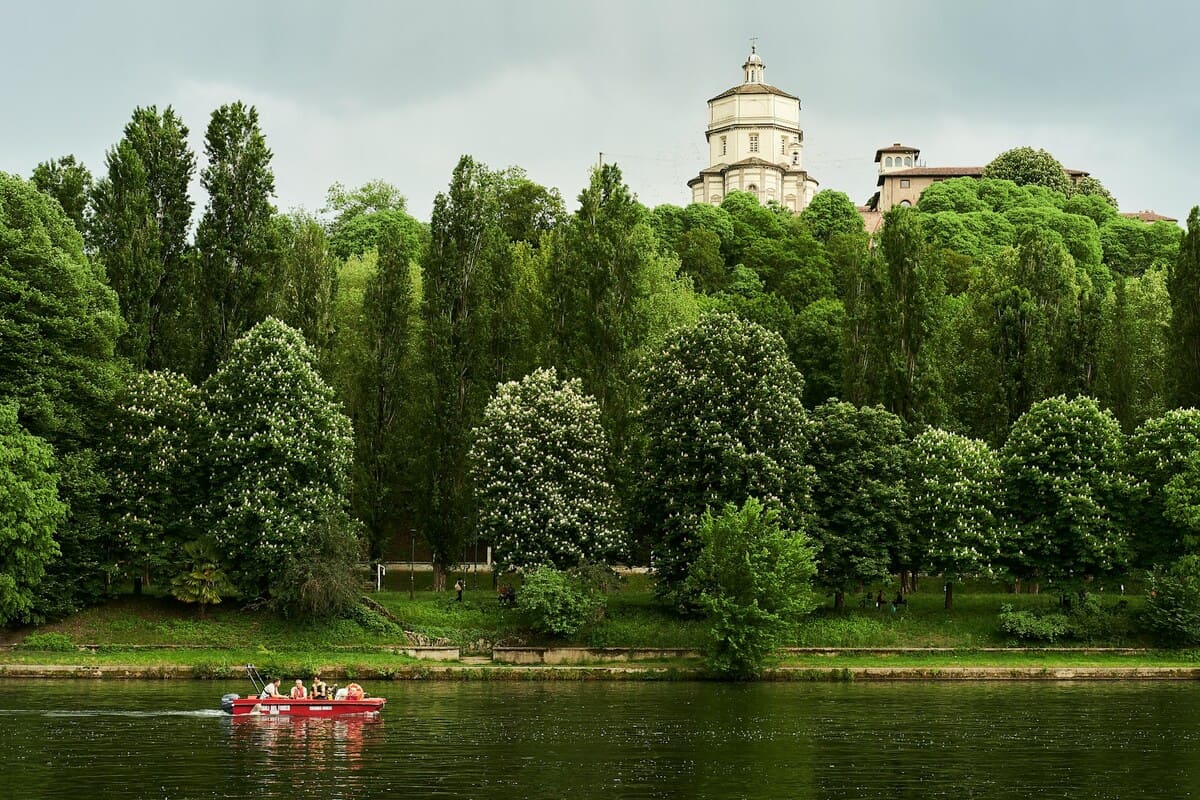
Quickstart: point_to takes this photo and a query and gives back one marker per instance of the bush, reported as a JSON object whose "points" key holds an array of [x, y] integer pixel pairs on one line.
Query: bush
{"points": [[557, 603], [1033, 626], [50, 641], [1172, 609], [1084, 619], [753, 580]]}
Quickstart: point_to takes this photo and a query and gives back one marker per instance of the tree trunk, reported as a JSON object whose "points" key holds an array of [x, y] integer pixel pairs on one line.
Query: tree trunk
{"points": [[859, 588], [1035, 588], [439, 577], [914, 581], [839, 599], [949, 595], [1016, 586]]}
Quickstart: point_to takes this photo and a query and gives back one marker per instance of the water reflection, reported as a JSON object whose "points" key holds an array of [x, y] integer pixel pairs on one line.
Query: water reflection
{"points": [[303, 752]]}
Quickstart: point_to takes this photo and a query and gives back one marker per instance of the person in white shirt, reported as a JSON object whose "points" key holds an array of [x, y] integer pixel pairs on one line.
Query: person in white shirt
{"points": [[271, 690]]}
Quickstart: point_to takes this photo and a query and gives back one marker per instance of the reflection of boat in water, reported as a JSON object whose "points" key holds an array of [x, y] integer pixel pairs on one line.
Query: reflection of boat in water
{"points": [[284, 706]]}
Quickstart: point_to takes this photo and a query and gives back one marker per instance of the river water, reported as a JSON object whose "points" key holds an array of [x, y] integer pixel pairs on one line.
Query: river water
{"points": [[82, 739]]}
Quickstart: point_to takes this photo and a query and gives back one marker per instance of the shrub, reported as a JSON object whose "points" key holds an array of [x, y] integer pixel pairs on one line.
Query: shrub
{"points": [[1032, 626], [51, 641], [557, 603], [1172, 609], [753, 579]]}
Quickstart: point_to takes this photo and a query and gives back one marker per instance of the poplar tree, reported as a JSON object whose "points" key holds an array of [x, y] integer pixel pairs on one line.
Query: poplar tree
{"points": [[387, 384], [237, 240], [1183, 282], [140, 216], [468, 258], [68, 181]]}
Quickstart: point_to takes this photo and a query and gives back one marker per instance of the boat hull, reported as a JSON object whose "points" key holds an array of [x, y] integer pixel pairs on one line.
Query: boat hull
{"points": [[282, 706]]}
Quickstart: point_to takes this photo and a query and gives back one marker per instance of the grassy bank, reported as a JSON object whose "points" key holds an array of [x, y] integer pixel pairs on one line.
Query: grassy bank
{"points": [[149, 631]]}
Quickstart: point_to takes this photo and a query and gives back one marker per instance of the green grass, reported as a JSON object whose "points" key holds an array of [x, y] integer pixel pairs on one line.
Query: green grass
{"points": [[230, 636]]}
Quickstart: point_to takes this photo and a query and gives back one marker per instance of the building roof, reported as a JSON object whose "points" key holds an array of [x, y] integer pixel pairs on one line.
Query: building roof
{"points": [[932, 172], [1148, 216], [755, 88], [895, 148]]}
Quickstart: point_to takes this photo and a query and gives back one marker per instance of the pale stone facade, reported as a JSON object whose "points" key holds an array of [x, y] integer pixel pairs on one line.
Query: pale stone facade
{"points": [[755, 144]]}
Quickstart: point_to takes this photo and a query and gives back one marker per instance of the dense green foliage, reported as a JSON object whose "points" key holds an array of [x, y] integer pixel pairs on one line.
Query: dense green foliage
{"points": [[722, 422], [752, 580], [555, 602], [1066, 492], [278, 464], [1172, 609], [963, 325], [859, 494], [30, 513], [538, 465]]}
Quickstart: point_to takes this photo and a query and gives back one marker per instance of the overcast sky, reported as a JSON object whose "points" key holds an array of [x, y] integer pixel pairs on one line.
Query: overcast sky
{"points": [[352, 91]]}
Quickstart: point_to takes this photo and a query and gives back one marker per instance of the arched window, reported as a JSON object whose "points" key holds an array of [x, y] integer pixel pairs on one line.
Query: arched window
{"points": [[887, 162], [752, 189], [905, 203], [908, 161]]}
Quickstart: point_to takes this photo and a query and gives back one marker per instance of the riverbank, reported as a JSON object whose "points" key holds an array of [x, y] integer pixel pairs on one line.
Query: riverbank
{"points": [[430, 635]]}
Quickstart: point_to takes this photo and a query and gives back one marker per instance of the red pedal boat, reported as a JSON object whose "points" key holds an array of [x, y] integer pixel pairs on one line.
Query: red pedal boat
{"points": [[284, 706]]}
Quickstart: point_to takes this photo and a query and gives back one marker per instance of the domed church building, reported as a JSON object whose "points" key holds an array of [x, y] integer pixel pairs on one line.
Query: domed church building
{"points": [[755, 144]]}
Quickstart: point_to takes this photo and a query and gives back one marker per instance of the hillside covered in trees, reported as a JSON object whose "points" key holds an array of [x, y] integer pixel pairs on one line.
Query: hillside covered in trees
{"points": [[1002, 380]]}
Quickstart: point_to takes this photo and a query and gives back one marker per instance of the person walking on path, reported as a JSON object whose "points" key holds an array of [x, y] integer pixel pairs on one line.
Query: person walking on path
{"points": [[458, 590]]}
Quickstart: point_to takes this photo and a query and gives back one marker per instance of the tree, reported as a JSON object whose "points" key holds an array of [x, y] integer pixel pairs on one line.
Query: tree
{"points": [[538, 465], [150, 457], [1024, 165], [911, 306], [202, 580], [815, 343], [611, 294], [700, 258], [386, 384], [723, 422], [859, 495], [237, 240], [1183, 283], [60, 320], [1160, 460], [1133, 360], [30, 513], [140, 216], [753, 580], [1087, 186], [362, 214], [952, 490], [277, 464], [68, 181], [830, 213], [309, 287], [1066, 492], [468, 264]]}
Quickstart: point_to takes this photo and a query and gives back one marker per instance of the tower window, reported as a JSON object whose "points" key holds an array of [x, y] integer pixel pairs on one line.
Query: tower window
{"points": [[908, 161], [724, 145], [754, 143], [887, 162], [904, 183], [783, 145]]}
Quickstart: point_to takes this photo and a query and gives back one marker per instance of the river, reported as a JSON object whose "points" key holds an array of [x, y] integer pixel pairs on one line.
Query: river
{"points": [[84, 739]]}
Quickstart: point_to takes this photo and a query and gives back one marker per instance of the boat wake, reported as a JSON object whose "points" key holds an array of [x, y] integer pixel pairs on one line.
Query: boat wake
{"points": [[107, 712]]}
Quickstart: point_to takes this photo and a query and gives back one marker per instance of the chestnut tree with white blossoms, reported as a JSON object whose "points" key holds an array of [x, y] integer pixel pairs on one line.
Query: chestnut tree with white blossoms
{"points": [[723, 422], [538, 466], [278, 466], [953, 485]]}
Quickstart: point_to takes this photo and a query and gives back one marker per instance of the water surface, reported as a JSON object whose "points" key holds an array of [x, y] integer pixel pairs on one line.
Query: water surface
{"points": [[75, 739]]}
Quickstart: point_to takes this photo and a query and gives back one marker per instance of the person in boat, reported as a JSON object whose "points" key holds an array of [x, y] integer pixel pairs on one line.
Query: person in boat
{"points": [[298, 691], [270, 690], [354, 692], [320, 690], [340, 694]]}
